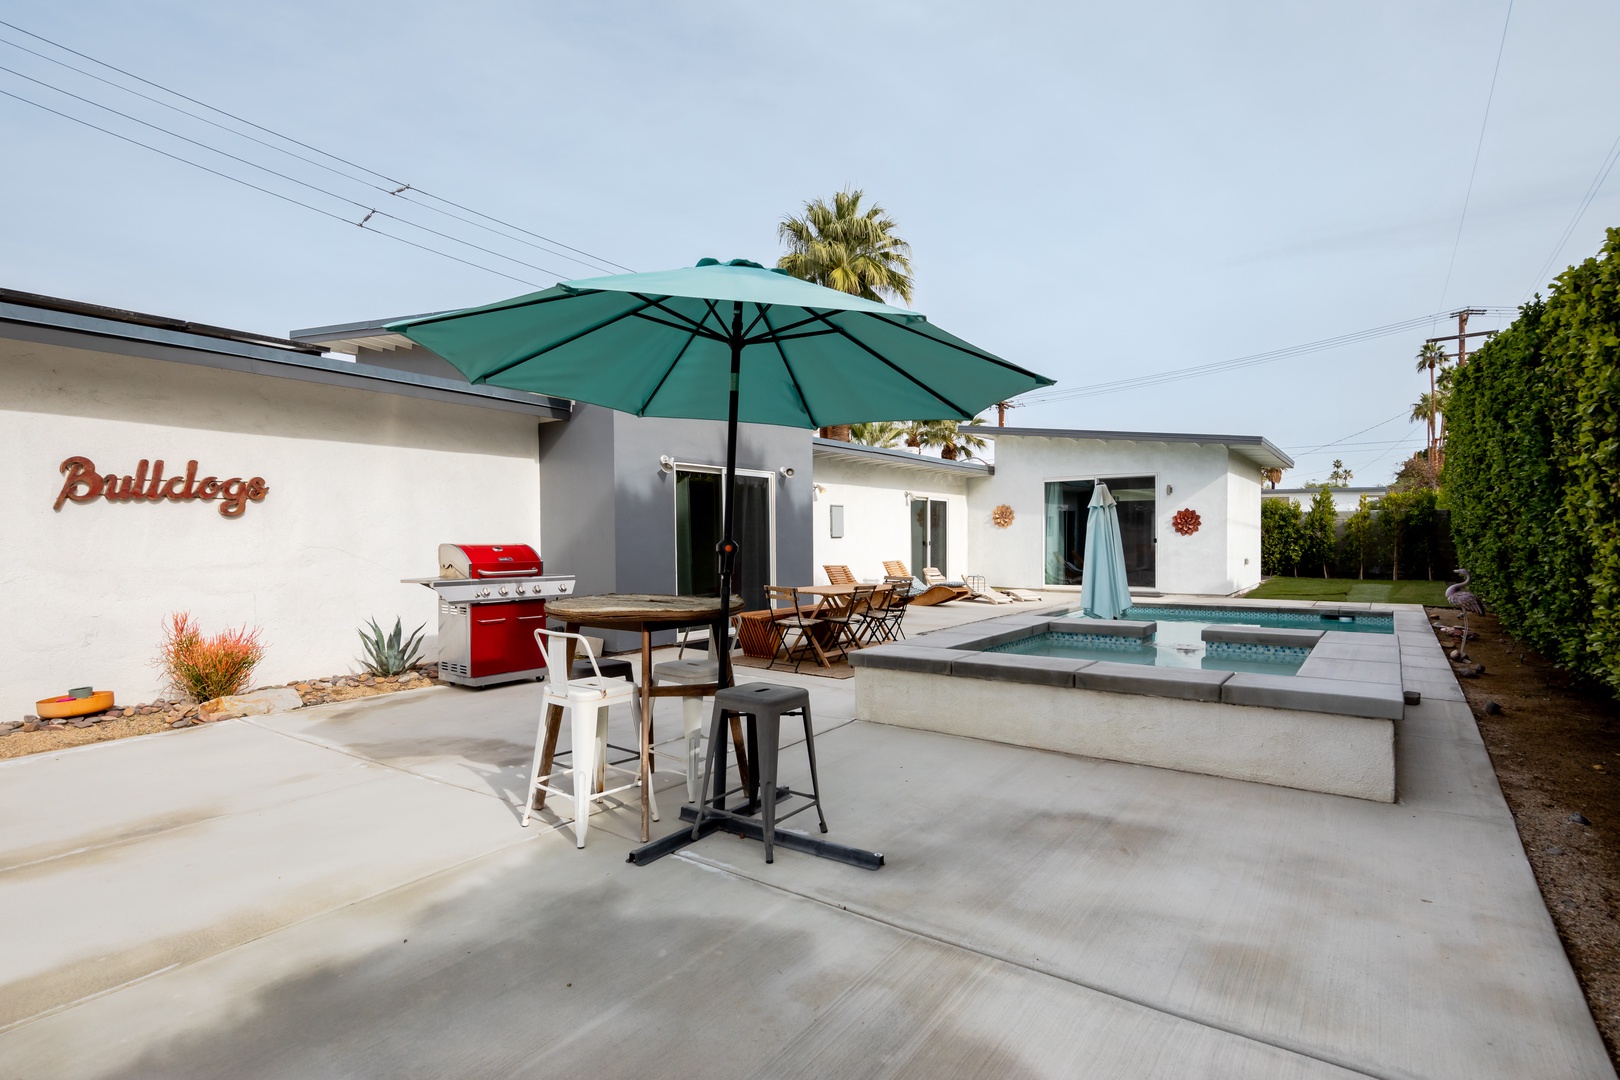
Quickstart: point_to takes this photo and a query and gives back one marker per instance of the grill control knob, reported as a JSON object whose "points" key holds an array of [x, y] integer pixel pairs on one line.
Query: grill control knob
{"points": [[483, 592], [520, 590], [502, 590]]}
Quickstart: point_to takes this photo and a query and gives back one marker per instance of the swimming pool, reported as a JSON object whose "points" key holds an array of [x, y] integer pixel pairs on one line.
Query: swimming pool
{"points": [[1354, 622], [1175, 645]]}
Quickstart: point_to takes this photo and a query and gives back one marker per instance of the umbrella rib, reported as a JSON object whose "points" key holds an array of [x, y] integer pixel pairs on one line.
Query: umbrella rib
{"points": [[795, 325], [694, 324], [662, 379], [687, 327], [797, 389], [764, 339], [963, 413], [759, 317], [1041, 380], [484, 378]]}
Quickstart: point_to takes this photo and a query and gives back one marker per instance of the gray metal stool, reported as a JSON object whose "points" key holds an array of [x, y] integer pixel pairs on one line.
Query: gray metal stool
{"points": [[764, 704], [610, 667]]}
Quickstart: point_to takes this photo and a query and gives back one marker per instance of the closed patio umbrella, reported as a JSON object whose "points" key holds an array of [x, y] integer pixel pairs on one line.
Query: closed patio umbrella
{"points": [[733, 342], [1104, 592]]}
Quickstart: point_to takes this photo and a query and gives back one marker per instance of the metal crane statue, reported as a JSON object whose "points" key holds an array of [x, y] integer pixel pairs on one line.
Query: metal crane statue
{"points": [[1468, 604]]}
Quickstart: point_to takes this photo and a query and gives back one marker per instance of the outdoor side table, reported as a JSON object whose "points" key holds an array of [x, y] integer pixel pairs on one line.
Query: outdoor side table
{"points": [[644, 614]]}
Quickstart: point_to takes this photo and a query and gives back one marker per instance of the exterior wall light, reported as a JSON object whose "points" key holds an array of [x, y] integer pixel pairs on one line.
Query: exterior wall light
{"points": [[666, 463], [787, 472]]}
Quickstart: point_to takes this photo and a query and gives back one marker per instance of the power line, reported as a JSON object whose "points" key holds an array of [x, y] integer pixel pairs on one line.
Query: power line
{"points": [[281, 175], [402, 186], [1251, 360], [1480, 145], [1592, 190], [396, 191], [265, 190]]}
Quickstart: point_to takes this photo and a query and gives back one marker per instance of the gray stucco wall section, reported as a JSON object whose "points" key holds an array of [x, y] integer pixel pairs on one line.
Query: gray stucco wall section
{"points": [[608, 511]]}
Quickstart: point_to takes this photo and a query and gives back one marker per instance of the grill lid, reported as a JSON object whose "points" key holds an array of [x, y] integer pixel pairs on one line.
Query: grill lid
{"points": [[487, 560]]}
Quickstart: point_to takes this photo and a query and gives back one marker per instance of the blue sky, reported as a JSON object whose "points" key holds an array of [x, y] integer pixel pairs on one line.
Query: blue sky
{"points": [[1094, 191]]}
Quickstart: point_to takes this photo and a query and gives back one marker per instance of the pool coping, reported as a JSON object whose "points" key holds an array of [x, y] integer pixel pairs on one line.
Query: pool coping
{"points": [[1329, 728], [1342, 682]]}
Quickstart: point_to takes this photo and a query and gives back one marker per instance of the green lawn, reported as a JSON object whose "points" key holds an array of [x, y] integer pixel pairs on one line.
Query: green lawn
{"points": [[1432, 593]]}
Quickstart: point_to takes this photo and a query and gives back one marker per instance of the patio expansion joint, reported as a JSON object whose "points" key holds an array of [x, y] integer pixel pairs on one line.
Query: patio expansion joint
{"points": [[700, 862]]}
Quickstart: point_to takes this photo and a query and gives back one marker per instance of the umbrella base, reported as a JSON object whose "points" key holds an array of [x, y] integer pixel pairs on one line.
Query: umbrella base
{"points": [[753, 830]]}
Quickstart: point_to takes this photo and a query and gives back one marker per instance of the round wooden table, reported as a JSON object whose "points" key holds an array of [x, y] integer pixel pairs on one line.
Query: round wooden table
{"points": [[646, 614]]}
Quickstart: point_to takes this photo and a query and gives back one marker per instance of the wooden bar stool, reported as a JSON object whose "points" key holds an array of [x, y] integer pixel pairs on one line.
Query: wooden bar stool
{"points": [[764, 704], [586, 702]]}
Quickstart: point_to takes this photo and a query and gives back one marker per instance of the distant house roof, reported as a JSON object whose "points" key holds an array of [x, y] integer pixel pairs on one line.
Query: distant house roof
{"points": [[367, 334], [894, 459], [74, 324], [1254, 447]]}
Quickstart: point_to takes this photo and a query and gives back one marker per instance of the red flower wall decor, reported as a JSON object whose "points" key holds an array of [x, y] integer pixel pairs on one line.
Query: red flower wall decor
{"points": [[1186, 522]]}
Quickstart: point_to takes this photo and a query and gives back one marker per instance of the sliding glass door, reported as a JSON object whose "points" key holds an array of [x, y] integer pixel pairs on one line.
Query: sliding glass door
{"points": [[698, 527], [1066, 514], [928, 536]]}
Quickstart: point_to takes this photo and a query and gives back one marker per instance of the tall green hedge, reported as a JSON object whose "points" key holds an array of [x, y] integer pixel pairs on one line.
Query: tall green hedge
{"points": [[1532, 469]]}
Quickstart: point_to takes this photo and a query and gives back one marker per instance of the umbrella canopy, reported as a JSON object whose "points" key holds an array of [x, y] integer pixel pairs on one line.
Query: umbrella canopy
{"points": [[1104, 592], [663, 344], [733, 342]]}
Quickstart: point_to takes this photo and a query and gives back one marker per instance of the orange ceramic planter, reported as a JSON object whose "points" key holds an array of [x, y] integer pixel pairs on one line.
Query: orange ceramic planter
{"points": [[51, 709]]}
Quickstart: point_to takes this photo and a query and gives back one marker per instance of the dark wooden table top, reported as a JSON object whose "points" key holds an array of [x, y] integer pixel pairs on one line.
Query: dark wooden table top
{"points": [[639, 610]]}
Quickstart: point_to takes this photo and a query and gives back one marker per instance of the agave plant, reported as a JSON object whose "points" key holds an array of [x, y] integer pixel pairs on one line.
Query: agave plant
{"points": [[390, 654]]}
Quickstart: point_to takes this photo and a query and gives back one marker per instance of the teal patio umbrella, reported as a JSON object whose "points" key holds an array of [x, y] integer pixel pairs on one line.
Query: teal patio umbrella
{"points": [[1104, 592], [733, 342]]}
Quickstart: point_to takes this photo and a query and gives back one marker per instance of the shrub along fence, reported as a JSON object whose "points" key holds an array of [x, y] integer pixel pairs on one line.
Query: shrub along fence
{"points": [[1406, 536], [1532, 469]]}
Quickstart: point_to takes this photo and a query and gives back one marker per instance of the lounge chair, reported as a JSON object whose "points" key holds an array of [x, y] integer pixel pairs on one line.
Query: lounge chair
{"points": [[936, 590], [982, 591], [838, 575]]}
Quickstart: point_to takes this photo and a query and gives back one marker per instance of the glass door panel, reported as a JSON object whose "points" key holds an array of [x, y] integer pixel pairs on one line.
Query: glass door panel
{"points": [[1067, 510], [698, 528], [927, 536]]}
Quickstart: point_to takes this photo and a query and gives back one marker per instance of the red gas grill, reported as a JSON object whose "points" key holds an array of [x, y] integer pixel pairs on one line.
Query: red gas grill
{"points": [[492, 598]]}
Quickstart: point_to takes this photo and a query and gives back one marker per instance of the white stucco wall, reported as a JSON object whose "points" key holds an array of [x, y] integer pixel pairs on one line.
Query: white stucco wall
{"points": [[362, 488], [877, 517], [1201, 477], [1243, 484]]}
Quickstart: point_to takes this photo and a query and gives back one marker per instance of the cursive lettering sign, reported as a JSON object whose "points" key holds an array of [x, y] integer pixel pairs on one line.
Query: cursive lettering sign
{"points": [[83, 484]]}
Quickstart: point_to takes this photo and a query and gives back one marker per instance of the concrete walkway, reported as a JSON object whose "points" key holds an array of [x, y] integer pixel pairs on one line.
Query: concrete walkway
{"points": [[345, 891]]}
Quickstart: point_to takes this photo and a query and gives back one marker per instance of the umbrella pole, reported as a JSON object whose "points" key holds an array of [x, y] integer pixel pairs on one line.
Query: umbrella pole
{"points": [[719, 637]]}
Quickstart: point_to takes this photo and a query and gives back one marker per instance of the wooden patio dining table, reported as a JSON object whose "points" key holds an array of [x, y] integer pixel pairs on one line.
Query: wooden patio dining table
{"points": [[826, 593], [644, 614]]}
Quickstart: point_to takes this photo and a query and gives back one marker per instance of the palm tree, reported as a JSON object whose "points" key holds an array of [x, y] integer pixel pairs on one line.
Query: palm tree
{"points": [[879, 433], [848, 249], [953, 443], [1429, 358]]}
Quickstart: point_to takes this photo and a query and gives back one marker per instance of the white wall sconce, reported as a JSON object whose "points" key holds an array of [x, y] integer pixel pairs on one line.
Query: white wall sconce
{"points": [[787, 474], [666, 463]]}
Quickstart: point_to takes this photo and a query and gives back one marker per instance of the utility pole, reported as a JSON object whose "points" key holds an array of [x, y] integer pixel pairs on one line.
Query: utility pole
{"points": [[1001, 412], [1461, 338]]}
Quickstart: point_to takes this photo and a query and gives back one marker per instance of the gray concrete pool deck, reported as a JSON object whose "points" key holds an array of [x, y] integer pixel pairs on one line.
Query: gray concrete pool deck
{"points": [[345, 891]]}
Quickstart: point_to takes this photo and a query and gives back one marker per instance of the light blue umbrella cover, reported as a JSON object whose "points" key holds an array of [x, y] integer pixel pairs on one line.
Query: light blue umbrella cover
{"points": [[1104, 592]]}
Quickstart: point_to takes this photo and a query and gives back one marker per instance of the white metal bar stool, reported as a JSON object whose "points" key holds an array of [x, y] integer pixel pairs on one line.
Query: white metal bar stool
{"points": [[587, 701]]}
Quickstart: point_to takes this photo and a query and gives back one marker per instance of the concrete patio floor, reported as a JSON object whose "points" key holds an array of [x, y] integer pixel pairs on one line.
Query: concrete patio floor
{"points": [[345, 891]]}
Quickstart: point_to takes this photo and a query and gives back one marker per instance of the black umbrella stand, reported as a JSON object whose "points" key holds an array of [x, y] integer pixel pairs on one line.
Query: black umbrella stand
{"points": [[720, 643]]}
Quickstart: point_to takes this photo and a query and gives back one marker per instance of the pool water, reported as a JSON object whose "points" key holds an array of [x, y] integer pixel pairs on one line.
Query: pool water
{"points": [[1176, 644], [1362, 622]]}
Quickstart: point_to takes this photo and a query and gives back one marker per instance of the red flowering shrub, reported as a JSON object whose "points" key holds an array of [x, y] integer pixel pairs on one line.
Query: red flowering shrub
{"points": [[202, 667]]}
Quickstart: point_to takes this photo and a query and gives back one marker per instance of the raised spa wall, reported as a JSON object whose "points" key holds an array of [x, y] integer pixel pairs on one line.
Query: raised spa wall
{"points": [[1329, 728]]}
